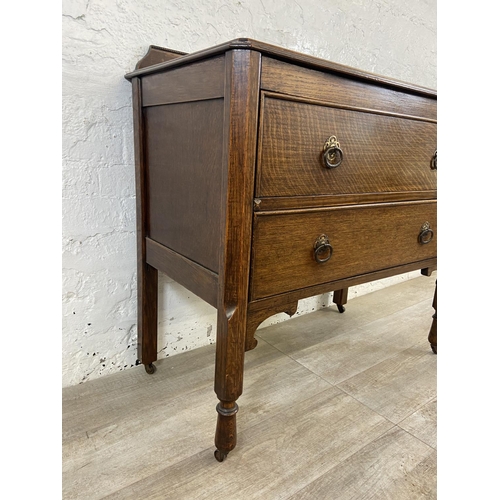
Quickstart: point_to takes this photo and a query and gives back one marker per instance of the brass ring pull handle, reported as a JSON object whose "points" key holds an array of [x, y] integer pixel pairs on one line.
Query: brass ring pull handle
{"points": [[434, 160], [332, 154], [426, 234], [323, 251]]}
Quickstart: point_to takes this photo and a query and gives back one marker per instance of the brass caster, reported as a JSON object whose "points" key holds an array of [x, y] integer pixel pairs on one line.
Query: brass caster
{"points": [[151, 368], [341, 309], [219, 456], [434, 349]]}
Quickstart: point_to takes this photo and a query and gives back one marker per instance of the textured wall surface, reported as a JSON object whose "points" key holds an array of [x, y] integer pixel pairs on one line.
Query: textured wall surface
{"points": [[103, 40]]}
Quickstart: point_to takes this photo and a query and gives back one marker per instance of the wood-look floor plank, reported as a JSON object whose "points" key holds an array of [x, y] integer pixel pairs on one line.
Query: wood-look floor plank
{"points": [[133, 435], [398, 386], [276, 457], [274, 386], [108, 400], [420, 483], [139, 444], [114, 456], [423, 423], [349, 353], [289, 338], [378, 470]]}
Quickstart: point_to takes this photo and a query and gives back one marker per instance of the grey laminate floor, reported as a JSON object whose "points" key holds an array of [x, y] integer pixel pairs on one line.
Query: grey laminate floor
{"points": [[335, 406]]}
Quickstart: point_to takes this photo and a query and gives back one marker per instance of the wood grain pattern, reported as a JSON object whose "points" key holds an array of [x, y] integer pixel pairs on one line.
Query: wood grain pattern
{"points": [[367, 315], [310, 434], [240, 136], [147, 276], [199, 81], [232, 192], [198, 279], [157, 55], [299, 446], [275, 302], [184, 152], [345, 355], [379, 387], [256, 315], [423, 423], [421, 482], [289, 202], [291, 56], [382, 467], [381, 153], [364, 239], [104, 421], [291, 79]]}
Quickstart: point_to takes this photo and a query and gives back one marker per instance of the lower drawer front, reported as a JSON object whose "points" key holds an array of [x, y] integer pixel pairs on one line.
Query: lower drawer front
{"points": [[362, 239]]}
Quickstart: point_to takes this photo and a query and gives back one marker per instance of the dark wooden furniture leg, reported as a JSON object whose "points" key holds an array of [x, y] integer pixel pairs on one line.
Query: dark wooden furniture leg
{"points": [[340, 298], [433, 331], [242, 87], [230, 356], [147, 276], [147, 290]]}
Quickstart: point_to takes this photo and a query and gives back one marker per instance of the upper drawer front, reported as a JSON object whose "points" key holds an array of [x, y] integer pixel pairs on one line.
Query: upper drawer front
{"points": [[381, 153], [362, 239]]}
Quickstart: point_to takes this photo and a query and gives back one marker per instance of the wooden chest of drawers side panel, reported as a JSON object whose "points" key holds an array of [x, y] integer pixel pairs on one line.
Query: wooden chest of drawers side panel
{"points": [[184, 178], [381, 153], [290, 79], [364, 239], [197, 81]]}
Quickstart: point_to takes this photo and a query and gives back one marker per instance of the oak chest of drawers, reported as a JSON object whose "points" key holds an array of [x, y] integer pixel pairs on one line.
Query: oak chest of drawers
{"points": [[265, 176]]}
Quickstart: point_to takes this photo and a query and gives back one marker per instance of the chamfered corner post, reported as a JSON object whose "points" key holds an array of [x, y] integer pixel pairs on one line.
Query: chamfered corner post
{"points": [[241, 97], [433, 331], [147, 276]]}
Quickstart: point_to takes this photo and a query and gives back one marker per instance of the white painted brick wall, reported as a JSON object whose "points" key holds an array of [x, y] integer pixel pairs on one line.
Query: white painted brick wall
{"points": [[103, 40]]}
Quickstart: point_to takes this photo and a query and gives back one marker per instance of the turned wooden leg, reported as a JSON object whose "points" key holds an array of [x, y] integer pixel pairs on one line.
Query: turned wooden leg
{"points": [[147, 295], [433, 331], [340, 298], [225, 433], [241, 112], [230, 355]]}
